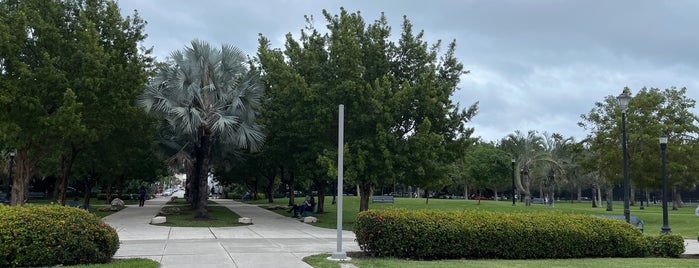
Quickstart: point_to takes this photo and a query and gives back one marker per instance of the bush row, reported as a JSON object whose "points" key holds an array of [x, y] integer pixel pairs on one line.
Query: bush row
{"points": [[429, 234], [36, 236]]}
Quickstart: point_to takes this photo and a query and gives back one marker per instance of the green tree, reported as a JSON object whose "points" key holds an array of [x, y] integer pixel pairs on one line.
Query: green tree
{"points": [[209, 96], [529, 156], [487, 167], [559, 167], [400, 121], [67, 69], [651, 112]]}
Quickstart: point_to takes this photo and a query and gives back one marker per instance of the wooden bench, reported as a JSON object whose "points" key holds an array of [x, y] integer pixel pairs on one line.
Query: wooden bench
{"points": [[382, 199], [633, 220]]}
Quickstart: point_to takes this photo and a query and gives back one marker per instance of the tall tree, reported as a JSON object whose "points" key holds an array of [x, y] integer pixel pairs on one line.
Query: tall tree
{"points": [[529, 155], [66, 67], [210, 96], [558, 163], [651, 112], [400, 121]]}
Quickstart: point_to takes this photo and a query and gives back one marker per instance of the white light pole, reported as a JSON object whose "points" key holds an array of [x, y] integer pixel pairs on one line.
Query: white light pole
{"points": [[339, 254]]}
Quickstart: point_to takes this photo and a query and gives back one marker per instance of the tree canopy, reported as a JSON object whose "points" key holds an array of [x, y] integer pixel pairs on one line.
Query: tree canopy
{"points": [[401, 124], [70, 72]]}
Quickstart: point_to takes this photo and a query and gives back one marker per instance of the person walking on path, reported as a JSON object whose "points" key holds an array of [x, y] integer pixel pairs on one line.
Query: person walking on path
{"points": [[142, 197]]}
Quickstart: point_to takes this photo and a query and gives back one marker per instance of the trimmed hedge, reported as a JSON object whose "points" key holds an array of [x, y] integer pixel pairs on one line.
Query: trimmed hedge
{"points": [[34, 236], [429, 234]]}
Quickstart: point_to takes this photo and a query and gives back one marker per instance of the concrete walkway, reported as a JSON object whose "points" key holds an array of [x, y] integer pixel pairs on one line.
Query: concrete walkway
{"points": [[271, 241]]}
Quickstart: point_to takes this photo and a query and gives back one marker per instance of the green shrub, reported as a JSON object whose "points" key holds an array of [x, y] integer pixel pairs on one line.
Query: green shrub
{"points": [[436, 234], [666, 245], [32, 236]]}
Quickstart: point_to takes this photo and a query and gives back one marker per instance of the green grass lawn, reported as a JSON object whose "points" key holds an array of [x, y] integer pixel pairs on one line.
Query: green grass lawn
{"points": [[219, 216], [682, 221], [122, 263], [95, 205], [320, 261]]}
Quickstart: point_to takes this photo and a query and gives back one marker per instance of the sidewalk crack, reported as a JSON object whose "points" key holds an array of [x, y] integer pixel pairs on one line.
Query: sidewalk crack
{"points": [[212, 233]]}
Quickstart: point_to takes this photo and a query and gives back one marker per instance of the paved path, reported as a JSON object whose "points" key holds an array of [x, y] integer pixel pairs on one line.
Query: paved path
{"points": [[271, 241]]}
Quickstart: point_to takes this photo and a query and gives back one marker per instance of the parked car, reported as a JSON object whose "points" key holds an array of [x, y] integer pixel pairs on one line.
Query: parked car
{"points": [[479, 198], [167, 192]]}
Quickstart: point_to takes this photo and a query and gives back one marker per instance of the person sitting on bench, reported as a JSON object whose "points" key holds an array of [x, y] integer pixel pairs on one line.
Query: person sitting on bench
{"points": [[300, 209]]}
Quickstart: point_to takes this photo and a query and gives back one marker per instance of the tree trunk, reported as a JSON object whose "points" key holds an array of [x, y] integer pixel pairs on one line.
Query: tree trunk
{"points": [[192, 187], [66, 172], [20, 180], [269, 189], [527, 192], [594, 195], [676, 198], [365, 189], [552, 199], [610, 191], [321, 184], [90, 182], [465, 180], [320, 205], [109, 192], [290, 183], [194, 181], [203, 163]]}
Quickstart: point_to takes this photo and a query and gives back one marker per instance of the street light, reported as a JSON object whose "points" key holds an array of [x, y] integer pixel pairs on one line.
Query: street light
{"points": [[624, 99], [514, 190], [663, 147]]}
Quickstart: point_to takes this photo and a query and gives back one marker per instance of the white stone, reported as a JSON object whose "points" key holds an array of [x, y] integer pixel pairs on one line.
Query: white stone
{"points": [[117, 202], [245, 220], [158, 220], [310, 219]]}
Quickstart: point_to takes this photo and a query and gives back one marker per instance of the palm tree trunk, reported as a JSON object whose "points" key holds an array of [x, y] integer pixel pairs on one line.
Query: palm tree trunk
{"points": [[203, 163]]}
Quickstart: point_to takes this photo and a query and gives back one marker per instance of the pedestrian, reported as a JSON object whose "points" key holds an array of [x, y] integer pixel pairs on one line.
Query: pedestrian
{"points": [[142, 196]]}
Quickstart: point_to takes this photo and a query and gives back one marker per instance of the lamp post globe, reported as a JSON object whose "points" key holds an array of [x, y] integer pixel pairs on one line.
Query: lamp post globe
{"points": [[663, 148], [624, 98]]}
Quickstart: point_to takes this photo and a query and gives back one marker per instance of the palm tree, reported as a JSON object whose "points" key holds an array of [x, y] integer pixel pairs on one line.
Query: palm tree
{"points": [[208, 96], [559, 165], [529, 153]]}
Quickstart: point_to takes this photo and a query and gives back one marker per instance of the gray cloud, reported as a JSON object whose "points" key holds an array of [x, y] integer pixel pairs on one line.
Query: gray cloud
{"points": [[535, 65]]}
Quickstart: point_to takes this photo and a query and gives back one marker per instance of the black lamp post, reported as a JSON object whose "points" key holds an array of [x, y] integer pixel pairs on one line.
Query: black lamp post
{"points": [[624, 99], [514, 190], [663, 147]]}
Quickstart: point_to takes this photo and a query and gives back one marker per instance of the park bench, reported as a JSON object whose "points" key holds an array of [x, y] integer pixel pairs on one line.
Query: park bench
{"points": [[633, 220], [4, 198], [382, 199]]}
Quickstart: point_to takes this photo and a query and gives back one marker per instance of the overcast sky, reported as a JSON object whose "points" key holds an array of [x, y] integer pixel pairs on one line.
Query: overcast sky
{"points": [[534, 65]]}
